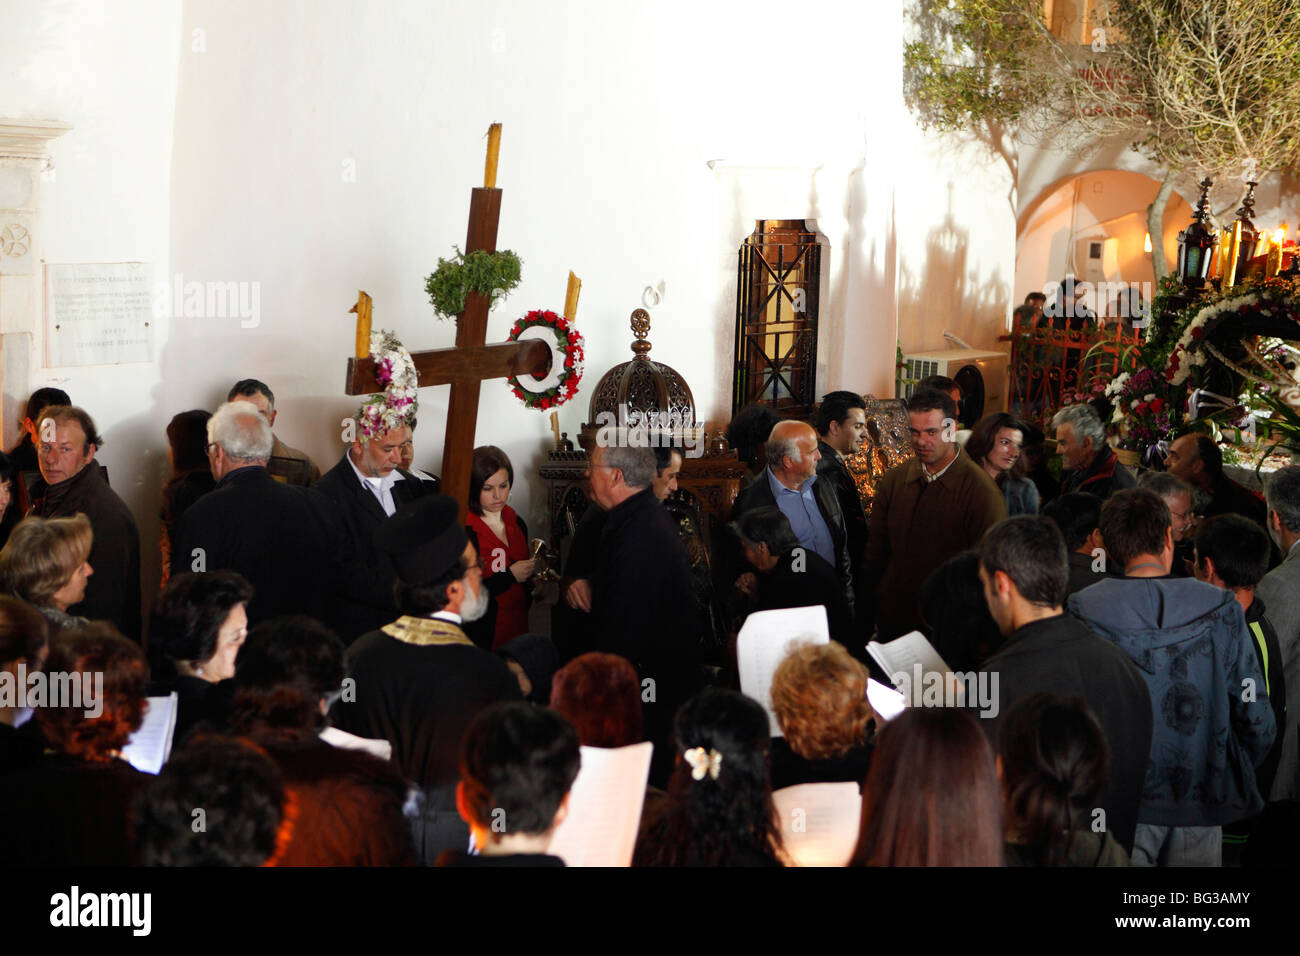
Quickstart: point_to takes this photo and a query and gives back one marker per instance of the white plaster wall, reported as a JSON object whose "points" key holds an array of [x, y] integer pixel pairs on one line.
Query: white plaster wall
{"points": [[108, 67], [611, 115]]}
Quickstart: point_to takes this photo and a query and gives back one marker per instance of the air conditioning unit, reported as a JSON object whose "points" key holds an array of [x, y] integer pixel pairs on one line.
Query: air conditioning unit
{"points": [[982, 376]]}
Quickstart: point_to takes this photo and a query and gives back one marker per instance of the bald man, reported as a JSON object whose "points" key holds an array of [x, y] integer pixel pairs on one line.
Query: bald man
{"points": [[789, 482]]}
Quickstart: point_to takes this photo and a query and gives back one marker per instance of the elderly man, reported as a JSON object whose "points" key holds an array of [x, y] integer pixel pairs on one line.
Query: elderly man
{"points": [[1089, 463], [1213, 724], [419, 680], [284, 540], [71, 481], [1198, 460], [286, 464], [1178, 498], [926, 510], [1280, 591], [367, 486], [841, 429], [791, 483], [642, 597]]}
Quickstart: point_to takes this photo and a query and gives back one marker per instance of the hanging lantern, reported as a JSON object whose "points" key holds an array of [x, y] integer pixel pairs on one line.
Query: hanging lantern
{"points": [[1197, 243]]}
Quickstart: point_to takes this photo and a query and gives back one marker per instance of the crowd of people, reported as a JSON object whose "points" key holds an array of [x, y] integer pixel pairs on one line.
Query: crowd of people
{"points": [[360, 679]]}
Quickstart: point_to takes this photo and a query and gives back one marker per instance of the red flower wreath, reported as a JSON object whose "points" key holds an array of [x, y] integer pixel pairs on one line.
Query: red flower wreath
{"points": [[562, 381]]}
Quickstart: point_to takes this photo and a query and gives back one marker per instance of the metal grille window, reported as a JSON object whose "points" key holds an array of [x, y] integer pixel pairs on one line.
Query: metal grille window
{"points": [[777, 297]]}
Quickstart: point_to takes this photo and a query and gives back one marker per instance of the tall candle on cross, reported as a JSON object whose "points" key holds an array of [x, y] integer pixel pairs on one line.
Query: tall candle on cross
{"points": [[571, 313], [493, 151]]}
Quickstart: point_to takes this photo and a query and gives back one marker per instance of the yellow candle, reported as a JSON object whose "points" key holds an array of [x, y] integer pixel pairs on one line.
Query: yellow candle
{"points": [[494, 149], [362, 309], [1234, 254], [571, 298]]}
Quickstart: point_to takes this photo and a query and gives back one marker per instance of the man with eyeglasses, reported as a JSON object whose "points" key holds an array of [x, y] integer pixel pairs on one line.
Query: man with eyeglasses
{"points": [[1179, 497], [368, 485]]}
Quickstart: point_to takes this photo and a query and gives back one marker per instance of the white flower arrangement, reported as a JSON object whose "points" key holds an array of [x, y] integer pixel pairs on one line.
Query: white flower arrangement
{"points": [[395, 371]]}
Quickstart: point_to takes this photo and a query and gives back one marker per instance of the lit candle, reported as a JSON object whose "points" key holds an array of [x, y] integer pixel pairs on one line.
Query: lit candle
{"points": [[494, 149], [571, 298], [362, 309], [1146, 245], [1234, 253]]}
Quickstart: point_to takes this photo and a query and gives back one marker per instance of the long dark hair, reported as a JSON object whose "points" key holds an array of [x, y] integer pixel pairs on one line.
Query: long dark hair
{"points": [[931, 796], [487, 461], [724, 821], [985, 434], [1055, 760], [187, 433]]}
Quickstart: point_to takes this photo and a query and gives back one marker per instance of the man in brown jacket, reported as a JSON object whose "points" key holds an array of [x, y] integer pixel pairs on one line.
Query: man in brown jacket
{"points": [[926, 510]]}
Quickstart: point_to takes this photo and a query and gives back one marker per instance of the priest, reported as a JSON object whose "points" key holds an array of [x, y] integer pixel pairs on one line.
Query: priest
{"points": [[418, 682], [368, 486]]}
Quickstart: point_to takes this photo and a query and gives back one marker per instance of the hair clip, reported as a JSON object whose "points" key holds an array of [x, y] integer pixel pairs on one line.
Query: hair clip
{"points": [[702, 762]]}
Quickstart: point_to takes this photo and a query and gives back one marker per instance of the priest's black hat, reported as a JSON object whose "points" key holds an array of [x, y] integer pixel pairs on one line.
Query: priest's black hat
{"points": [[424, 539]]}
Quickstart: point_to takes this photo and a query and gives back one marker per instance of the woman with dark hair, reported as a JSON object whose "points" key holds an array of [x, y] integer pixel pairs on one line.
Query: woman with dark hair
{"points": [[956, 613], [349, 802], [73, 807], [747, 433], [23, 641], [1054, 761], [995, 443], [248, 815], [931, 798], [198, 624], [46, 563], [501, 539], [720, 810], [191, 475]]}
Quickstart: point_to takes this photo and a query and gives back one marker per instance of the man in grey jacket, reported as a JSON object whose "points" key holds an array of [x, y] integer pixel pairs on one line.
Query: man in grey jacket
{"points": [[1280, 590], [1213, 722]]}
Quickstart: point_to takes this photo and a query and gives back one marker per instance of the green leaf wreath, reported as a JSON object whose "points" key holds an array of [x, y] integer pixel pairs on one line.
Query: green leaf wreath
{"points": [[493, 274]]}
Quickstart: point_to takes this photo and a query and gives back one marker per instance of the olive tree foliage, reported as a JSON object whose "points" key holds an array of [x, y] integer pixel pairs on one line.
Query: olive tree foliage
{"points": [[1203, 88]]}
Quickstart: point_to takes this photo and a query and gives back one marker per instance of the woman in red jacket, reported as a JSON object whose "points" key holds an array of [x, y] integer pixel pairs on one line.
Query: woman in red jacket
{"points": [[501, 539]]}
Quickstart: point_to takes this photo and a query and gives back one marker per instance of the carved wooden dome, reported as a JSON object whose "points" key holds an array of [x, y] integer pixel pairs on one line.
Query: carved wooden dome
{"points": [[652, 392]]}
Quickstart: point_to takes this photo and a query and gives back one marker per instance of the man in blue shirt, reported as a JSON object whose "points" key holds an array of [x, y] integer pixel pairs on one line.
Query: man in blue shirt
{"points": [[790, 483]]}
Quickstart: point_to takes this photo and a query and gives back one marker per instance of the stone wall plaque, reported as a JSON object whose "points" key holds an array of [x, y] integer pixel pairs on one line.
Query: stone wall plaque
{"points": [[98, 313]]}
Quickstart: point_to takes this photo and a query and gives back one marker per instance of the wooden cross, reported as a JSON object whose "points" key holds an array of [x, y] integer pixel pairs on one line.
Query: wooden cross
{"points": [[471, 361]]}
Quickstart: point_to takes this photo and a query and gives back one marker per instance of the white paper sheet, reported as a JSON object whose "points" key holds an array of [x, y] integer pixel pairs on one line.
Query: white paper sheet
{"points": [[604, 807], [382, 749], [764, 641], [819, 822], [150, 746], [885, 701]]}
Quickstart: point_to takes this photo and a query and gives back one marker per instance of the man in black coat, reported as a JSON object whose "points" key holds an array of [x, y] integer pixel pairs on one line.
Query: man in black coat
{"points": [[285, 540], [1024, 570], [419, 681], [367, 487], [791, 484], [841, 429], [71, 481], [643, 604]]}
